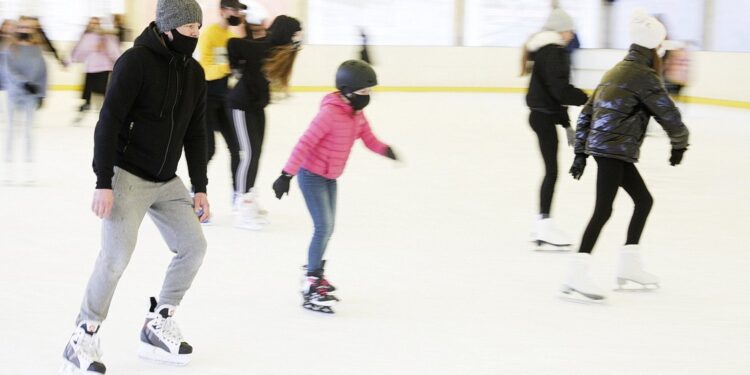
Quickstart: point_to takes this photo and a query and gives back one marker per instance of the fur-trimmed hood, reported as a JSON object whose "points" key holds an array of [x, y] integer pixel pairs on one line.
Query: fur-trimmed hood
{"points": [[542, 39]]}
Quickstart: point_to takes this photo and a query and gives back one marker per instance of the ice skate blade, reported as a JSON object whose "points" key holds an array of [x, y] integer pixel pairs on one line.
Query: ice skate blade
{"points": [[631, 286], [159, 355], [572, 295], [318, 308], [546, 247], [68, 368]]}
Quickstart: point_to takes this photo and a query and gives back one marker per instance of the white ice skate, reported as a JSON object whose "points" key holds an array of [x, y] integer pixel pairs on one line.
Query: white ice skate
{"points": [[578, 286], [630, 273], [161, 339], [316, 296], [248, 213], [83, 353], [546, 236]]}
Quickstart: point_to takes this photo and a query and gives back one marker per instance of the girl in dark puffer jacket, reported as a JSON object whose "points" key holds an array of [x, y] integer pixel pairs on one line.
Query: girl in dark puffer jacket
{"points": [[611, 128], [550, 92]]}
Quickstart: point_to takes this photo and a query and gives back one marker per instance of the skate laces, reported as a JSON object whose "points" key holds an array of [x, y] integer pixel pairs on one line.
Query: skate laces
{"points": [[167, 329], [87, 346]]}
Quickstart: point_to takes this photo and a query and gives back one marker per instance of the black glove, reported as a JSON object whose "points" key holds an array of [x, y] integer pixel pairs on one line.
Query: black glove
{"points": [[579, 164], [31, 88], [390, 154], [281, 185], [39, 102], [676, 157]]}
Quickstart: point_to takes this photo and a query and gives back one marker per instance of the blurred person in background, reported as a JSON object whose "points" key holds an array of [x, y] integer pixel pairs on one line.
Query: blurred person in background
{"points": [[121, 30], [550, 92], [611, 128], [98, 50], [25, 75], [46, 44], [212, 47], [255, 18], [263, 64], [7, 31]]}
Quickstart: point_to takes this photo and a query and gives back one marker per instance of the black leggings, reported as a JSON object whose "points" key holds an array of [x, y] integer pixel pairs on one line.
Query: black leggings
{"points": [[250, 127], [544, 127], [217, 119], [612, 174]]}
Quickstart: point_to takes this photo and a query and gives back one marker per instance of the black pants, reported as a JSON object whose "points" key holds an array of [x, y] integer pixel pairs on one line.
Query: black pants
{"points": [[95, 83], [250, 127], [217, 120], [613, 174], [544, 126]]}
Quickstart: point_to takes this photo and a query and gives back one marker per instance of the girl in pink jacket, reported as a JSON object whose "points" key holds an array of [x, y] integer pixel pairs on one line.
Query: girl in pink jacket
{"points": [[320, 157], [99, 50]]}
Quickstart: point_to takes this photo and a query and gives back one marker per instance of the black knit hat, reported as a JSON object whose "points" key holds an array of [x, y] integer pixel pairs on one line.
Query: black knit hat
{"points": [[282, 29]]}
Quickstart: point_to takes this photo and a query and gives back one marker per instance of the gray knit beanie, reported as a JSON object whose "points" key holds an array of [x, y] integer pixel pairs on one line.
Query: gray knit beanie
{"points": [[559, 21], [171, 14]]}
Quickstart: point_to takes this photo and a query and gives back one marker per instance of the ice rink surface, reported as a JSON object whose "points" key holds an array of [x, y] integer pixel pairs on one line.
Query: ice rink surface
{"points": [[430, 255]]}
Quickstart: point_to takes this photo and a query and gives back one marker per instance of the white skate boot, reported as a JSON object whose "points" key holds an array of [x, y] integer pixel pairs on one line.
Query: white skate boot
{"points": [[578, 286], [161, 339], [630, 273], [248, 213], [83, 354], [546, 236]]}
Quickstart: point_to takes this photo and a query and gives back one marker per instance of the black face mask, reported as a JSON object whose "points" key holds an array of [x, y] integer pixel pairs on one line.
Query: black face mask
{"points": [[182, 44], [234, 20], [358, 102], [23, 36]]}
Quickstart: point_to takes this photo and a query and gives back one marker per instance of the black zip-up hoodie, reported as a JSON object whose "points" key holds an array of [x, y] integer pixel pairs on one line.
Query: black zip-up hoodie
{"points": [[251, 92], [155, 105]]}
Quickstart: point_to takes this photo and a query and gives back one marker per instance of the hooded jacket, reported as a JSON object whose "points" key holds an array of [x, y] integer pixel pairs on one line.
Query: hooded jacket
{"points": [[549, 88], [251, 91], [155, 105], [613, 122], [325, 147]]}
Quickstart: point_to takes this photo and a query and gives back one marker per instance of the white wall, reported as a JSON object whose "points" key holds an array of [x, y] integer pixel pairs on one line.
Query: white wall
{"points": [[713, 74]]}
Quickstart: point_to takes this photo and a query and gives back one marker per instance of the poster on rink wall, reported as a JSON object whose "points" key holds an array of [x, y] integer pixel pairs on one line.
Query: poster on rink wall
{"points": [[63, 20], [386, 22]]}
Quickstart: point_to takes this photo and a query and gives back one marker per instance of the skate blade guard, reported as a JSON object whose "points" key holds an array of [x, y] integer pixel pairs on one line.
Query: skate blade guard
{"points": [[159, 355], [630, 286], [572, 295], [546, 247]]}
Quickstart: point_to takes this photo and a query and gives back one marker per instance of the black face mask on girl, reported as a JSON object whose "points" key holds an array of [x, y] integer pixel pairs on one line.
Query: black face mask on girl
{"points": [[358, 102], [182, 44], [23, 36], [234, 20]]}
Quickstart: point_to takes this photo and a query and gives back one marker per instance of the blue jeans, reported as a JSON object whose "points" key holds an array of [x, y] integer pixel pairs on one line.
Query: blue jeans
{"points": [[320, 196]]}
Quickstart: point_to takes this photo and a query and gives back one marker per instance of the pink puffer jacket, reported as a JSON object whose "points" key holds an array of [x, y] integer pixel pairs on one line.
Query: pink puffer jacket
{"points": [[327, 143]]}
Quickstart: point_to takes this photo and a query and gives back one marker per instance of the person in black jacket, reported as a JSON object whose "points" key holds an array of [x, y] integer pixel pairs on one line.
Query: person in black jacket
{"points": [[154, 108], [262, 64], [550, 92], [611, 128]]}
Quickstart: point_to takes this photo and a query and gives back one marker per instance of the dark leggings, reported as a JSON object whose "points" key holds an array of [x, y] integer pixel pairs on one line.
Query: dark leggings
{"points": [[612, 174], [217, 119], [250, 129], [544, 127]]}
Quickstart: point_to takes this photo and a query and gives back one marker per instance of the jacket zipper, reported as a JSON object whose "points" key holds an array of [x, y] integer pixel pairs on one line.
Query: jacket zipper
{"points": [[130, 136], [171, 129]]}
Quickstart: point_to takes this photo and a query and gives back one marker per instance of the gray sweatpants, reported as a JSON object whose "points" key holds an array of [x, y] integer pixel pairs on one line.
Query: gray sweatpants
{"points": [[171, 208]]}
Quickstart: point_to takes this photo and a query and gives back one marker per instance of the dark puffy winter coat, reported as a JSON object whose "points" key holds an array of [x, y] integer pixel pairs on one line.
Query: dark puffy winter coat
{"points": [[613, 122], [550, 90], [155, 105]]}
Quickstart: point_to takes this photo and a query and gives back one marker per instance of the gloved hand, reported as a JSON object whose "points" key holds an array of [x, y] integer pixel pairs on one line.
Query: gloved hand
{"points": [[390, 154], [579, 164], [571, 134], [281, 185], [31, 88], [676, 157]]}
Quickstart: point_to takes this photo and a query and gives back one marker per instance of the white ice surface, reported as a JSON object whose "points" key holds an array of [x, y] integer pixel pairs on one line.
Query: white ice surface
{"points": [[430, 255]]}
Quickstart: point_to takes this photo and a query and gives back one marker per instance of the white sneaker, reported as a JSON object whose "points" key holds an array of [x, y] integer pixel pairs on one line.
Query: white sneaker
{"points": [[578, 283], [548, 237], [248, 213], [161, 339], [630, 271], [83, 353]]}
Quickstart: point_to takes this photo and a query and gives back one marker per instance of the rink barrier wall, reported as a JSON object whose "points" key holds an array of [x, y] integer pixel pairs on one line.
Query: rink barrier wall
{"points": [[483, 90]]}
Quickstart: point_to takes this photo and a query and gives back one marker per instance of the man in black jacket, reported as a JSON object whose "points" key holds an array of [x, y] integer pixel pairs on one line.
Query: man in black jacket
{"points": [[155, 107]]}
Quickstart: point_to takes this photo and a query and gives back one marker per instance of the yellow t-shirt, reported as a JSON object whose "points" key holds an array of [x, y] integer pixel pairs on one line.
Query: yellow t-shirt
{"points": [[212, 46]]}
